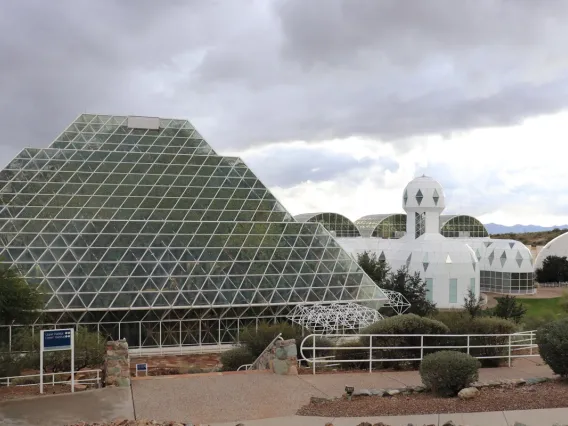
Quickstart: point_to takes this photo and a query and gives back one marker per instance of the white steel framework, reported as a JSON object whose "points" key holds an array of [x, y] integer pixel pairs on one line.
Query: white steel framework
{"points": [[334, 318], [123, 226]]}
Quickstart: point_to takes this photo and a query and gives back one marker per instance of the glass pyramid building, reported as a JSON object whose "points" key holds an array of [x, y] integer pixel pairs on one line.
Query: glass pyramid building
{"points": [[137, 226]]}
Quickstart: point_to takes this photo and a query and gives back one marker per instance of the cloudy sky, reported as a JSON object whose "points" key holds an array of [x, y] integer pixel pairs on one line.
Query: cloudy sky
{"points": [[335, 104]]}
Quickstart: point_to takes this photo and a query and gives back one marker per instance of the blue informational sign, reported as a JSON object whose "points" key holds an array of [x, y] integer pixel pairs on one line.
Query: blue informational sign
{"points": [[141, 367], [57, 340]]}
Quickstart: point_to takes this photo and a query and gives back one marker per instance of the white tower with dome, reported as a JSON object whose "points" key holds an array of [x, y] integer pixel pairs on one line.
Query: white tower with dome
{"points": [[424, 201]]}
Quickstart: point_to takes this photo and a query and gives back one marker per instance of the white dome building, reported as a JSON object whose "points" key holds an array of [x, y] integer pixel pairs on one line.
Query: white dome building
{"points": [[450, 267]]}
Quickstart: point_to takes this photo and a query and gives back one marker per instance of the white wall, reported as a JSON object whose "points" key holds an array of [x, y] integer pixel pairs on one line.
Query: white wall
{"points": [[432, 249]]}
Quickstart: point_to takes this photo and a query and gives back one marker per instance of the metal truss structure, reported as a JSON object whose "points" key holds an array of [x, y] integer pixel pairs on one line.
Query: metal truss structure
{"points": [[334, 318], [396, 301]]}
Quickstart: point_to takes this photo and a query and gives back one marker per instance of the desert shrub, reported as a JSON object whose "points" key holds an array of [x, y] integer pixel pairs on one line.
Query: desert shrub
{"points": [[552, 340], [10, 364], [257, 339], [320, 342], [234, 358], [188, 369], [448, 372], [404, 324], [490, 326], [352, 354]]}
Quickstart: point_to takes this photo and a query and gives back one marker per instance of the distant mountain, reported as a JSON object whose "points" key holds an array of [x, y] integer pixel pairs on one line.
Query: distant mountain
{"points": [[494, 228]]}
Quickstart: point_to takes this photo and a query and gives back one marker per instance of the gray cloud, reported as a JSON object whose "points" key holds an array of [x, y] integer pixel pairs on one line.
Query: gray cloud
{"points": [[287, 166], [255, 71]]}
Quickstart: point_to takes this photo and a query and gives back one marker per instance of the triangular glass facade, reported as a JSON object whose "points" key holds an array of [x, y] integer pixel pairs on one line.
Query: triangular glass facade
{"points": [[123, 214]]}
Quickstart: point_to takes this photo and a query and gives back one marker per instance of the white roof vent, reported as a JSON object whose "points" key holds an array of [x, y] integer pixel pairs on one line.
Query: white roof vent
{"points": [[150, 123]]}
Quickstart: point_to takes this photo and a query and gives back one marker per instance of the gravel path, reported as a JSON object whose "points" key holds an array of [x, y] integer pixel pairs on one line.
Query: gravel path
{"points": [[545, 395]]}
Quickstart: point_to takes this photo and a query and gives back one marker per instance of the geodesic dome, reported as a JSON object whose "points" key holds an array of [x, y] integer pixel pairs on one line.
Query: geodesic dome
{"points": [[334, 318]]}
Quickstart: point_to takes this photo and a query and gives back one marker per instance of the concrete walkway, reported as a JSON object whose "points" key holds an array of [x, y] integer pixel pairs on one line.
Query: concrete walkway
{"points": [[234, 397], [57, 410], [547, 417]]}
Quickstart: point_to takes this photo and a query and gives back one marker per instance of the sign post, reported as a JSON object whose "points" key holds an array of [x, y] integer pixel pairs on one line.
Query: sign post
{"points": [[57, 340], [141, 368]]}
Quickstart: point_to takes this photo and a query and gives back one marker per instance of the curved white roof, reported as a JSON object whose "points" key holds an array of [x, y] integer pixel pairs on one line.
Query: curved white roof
{"points": [[556, 247]]}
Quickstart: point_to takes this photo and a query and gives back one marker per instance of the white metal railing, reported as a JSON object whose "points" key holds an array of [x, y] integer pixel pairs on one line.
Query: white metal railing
{"points": [[553, 284], [12, 380], [513, 343], [135, 352]]}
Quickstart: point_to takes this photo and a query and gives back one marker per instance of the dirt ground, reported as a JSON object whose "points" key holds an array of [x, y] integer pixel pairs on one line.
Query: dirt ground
{"points": [[16, 392], [541, 293], [177, 364], [545, 395]]}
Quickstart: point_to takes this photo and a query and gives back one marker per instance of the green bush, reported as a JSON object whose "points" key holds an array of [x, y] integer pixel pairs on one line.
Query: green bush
{"points": [[552, 340], [490, 326], [257, 339], [457, 321], [404, 324], [352, 354], [448, 372], [322, 342], [234, 358]]}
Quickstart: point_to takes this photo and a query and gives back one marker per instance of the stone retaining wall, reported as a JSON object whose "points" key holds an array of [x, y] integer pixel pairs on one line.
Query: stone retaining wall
{"points": [[281, 358], [116, 370]]}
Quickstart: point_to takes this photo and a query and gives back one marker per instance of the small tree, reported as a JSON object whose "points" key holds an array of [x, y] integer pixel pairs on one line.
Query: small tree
{"points": [[554, 269], [376, 269], [472, 304], [413, 289], [19, 302], [508, 307]]}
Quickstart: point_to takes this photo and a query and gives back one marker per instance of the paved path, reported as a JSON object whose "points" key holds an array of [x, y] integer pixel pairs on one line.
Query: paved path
{"points": [[233, 397], [57, 410], [546, 417]]}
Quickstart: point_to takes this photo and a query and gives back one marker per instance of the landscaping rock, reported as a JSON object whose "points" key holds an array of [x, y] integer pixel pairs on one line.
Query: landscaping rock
{"points": [[364, 424], [419, 389], [449, 423], [536, 380], [393, 392], [316, 400], [378, 392], [519, 424], [362, 392], [468, 393]]}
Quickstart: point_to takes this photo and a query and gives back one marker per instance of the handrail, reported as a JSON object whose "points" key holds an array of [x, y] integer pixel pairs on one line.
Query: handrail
{"points": [[8, 380], [525, 340]]}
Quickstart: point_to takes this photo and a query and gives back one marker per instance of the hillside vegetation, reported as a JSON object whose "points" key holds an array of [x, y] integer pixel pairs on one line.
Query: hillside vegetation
{"points": [[532, 238]]}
